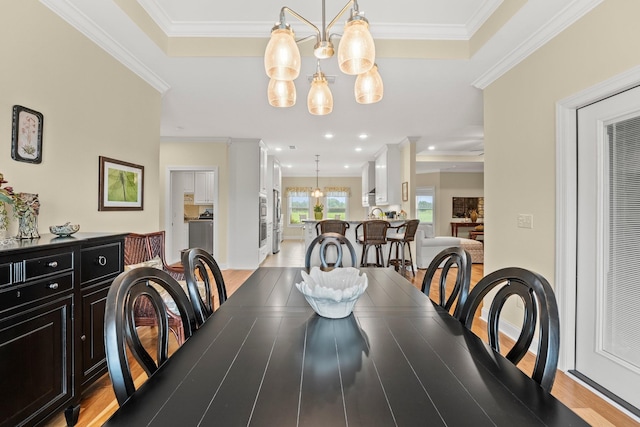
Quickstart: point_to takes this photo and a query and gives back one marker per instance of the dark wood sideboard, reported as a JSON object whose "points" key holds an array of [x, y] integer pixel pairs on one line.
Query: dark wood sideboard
{"points": [[52, 299]]}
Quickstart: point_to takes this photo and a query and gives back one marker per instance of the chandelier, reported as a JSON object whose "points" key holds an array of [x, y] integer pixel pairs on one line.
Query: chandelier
{"points": [[317, 193], [356, 56]]}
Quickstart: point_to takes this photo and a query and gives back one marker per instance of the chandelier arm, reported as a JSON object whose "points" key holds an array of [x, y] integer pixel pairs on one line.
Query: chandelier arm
{"points": [[344, 9], [300, 17]]}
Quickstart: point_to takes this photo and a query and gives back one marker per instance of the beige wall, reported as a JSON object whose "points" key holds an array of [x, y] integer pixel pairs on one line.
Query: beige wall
{"points": [[448, 185], [520, 126], [92, 106], [356, 211], [187, 154]]}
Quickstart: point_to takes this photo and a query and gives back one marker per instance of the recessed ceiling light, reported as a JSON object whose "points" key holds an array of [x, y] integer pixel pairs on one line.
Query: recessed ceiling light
{"points": [[288, 166], [431, 148], [358, 148], [329, 135], [278, 149], [363, 136], [346, 166]]}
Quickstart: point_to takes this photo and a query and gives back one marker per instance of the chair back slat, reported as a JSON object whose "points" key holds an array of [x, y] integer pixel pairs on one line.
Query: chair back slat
{"points": [[332, 226], [121, 332], [448, 258], [540, 308], [325, 241], [201, 267]]}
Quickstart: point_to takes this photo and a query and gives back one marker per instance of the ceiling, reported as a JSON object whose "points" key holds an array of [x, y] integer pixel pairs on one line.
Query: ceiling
{"points": [[434, 56]]}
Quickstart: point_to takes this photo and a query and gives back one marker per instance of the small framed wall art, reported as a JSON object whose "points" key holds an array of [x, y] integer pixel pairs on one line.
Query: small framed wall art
{"points": [[405, 191], [121, 185], [26, 142]]}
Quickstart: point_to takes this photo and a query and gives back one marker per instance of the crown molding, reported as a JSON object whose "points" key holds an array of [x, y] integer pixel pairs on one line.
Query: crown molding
{"points": [[566, 17], [81, 22], [389, 31]]}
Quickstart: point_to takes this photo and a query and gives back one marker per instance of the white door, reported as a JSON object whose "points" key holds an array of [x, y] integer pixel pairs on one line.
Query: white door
{"points": [[608, 247]]}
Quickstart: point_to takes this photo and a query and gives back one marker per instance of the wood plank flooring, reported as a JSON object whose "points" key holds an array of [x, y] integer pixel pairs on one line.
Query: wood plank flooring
{"points": [[99, 401]]}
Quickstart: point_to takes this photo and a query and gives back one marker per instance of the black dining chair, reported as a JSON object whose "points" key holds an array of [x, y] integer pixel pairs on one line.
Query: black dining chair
{"points": [[199, 268], [447, 258], [324, 241], [120, 331], [540, 308]]}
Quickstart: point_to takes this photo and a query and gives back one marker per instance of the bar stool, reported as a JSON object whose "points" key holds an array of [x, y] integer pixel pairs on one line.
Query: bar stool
{"points": [[374, 233], [404, 234], [332, 226]]}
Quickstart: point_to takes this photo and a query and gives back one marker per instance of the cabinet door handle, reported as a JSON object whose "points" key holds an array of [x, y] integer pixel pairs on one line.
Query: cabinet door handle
{"points": [[83, 337], [53, 264], [52, 286], [102, 260]]}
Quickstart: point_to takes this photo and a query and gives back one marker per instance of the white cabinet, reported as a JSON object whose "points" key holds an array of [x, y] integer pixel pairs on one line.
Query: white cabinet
{"points": [[263, 168], [368, 181], [387, 170], [203, 188], [187, 182], [277, 175]]}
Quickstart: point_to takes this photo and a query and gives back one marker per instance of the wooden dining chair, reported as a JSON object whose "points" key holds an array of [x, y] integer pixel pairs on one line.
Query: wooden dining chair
{"points": [[403, 236], [324, 241], [199, 268], [443, 262], [540, 308], [120, 328], [156, 245]]}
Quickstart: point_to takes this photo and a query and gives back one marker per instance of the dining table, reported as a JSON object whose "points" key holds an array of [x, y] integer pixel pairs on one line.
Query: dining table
{"points": [[265, 358]]}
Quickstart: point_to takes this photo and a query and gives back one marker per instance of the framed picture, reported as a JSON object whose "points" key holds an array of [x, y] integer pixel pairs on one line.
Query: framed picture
{"points": [[405, 191], [121, 185], [26, 141]]}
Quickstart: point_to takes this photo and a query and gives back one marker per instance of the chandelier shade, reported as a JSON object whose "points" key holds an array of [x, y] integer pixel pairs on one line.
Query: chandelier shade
{"points": [[320, 99], [281, 93], [369, 88], [282, 56], [356, 51]]}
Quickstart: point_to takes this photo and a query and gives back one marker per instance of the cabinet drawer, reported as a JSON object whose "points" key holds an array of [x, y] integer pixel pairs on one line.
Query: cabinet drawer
{"points": [[47, 265], [99, 262], [20, 295], [5, 274]]}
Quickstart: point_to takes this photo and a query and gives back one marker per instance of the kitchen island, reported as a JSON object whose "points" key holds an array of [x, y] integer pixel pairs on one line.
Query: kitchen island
{"points": [[310, 234]]}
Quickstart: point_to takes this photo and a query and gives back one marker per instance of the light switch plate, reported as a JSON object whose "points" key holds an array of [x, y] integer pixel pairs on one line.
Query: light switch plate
{"points": [[525, 221]]}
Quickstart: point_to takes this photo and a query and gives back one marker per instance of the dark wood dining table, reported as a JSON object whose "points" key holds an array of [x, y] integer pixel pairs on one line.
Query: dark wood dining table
{"points": [[266, 359]]}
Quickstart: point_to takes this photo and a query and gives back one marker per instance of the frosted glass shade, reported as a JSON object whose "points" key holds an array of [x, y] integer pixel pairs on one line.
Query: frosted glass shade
{"points": [[356, 51], [320, 99], [369, 88], [282, 56], [281, 93]]}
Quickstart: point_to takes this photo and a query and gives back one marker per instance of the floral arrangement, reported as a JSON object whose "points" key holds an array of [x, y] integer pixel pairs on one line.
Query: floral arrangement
{"points": [[318, 208], [6, 197]]}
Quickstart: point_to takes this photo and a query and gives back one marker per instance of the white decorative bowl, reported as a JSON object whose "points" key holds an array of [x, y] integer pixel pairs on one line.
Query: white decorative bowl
{"points": [[65, 229], [333, 294]]}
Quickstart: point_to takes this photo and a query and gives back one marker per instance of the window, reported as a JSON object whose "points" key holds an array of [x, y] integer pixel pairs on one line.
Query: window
{"points": [[336, 203], [425, 204], [299, 205]]}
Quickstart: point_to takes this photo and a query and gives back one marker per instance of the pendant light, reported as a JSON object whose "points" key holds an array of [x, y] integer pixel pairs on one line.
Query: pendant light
{"points": [[320, 99], [369, 88], [356, 56], [317, 193]]}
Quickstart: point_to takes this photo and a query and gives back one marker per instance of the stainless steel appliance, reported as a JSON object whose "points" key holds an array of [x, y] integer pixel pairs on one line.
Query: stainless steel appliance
{"points": [[277, 222], [201, 234], [263, 221]]}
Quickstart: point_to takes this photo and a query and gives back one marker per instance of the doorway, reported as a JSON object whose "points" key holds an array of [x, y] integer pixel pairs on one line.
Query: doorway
{"points": [[608, 274], [180, 181]]}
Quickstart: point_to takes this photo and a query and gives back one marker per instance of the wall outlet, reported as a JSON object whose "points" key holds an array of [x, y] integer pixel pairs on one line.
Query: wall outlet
{"points": [[525, 221]]}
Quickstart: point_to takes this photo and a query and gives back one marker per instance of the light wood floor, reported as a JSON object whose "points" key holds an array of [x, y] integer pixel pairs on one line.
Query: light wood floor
{"points": [[99, 400]]}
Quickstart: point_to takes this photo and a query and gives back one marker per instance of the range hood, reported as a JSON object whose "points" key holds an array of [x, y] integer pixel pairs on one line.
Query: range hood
{"points": [[371, 197]]}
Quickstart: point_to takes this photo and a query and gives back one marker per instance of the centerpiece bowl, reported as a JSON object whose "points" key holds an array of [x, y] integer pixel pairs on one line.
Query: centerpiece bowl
{"points": [[333, 294], [64, 230]]}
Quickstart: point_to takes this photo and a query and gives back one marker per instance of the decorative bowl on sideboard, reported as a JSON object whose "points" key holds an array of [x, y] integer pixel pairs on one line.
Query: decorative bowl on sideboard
{"points": [[65, 229]]}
